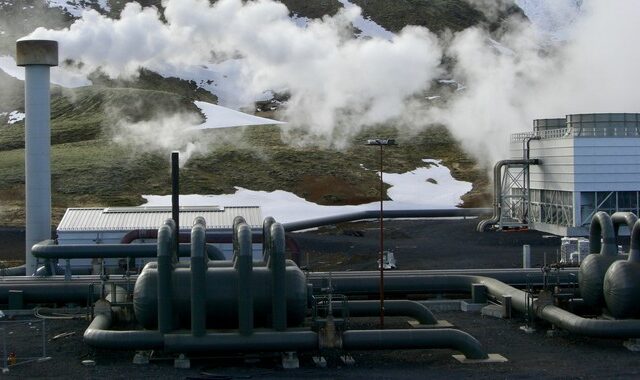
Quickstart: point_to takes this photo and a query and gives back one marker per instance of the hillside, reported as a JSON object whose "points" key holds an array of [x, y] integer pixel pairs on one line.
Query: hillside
{"points": [[89, 168]]}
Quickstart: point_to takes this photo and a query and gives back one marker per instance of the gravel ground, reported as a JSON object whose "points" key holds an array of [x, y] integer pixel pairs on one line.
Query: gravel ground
{"points": [[425, 244]]}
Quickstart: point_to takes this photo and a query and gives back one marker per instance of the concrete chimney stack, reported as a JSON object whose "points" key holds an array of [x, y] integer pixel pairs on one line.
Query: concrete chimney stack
{"points": [[37, 56]]}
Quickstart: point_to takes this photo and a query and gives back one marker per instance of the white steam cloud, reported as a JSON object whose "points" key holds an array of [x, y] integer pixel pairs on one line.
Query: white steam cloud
{"points": [[333, 78], [340, 84], [593, 70]]}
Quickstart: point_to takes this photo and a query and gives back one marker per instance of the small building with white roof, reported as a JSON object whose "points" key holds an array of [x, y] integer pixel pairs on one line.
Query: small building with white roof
{"points": [[110, 225]]}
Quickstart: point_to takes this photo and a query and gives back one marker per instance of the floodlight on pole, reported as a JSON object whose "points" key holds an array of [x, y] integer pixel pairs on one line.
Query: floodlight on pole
{"points": [[381, 143]]}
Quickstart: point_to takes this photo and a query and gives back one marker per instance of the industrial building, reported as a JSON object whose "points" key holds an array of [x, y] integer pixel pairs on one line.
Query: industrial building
{"points": [[567, 169], [115, 225]]}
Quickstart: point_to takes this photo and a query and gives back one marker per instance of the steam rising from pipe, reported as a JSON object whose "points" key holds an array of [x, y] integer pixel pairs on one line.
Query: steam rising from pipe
{"points": [[340, 84]]}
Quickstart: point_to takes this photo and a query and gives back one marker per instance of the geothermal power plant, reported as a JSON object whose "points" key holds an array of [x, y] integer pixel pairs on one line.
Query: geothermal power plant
{"points": [[198, 281]]}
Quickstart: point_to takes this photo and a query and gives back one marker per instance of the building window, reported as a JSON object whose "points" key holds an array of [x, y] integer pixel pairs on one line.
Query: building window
{"points": [[551, 207]]}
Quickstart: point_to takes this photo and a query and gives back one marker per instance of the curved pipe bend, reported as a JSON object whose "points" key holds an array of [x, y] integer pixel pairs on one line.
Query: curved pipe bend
{"points": [[392, 308], [634, 247], [602, 227], [623, 218], [98, 335], [420, 339]]}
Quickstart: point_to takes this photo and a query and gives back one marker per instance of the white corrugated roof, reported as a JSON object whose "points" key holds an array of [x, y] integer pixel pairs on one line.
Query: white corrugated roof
{"points": [[137, 218]]}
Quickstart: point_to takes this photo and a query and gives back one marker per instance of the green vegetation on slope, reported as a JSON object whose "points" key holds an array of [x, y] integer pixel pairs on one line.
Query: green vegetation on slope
{"points": [[91, 170]]}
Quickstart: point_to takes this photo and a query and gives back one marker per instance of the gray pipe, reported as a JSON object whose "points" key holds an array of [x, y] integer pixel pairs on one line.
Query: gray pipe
{"points": [[623, 218], [37, 56], [98, 335], [602, 227], [266, 237], [48, 249], [198, 278], [634, 246], [259, 341], [407, 339], [244, 266], [497, 190], [237, 221], [165, 274], [20, 270], [277, 265], [374, 214], [550, 313], [594, 267], [429, 282], [392, 308]]}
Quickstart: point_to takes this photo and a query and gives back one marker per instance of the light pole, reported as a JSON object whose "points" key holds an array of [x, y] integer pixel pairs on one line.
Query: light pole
{"points": [[381, 143]]}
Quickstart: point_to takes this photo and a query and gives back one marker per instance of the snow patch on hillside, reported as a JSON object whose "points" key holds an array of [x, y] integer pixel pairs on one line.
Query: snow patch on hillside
{"points": [[221, 117], [75, 7], [368, 27], [411, 190], [15, 116]]}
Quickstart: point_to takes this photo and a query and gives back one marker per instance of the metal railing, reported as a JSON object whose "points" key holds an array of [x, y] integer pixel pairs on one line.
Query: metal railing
{"points": [[579, 132]]}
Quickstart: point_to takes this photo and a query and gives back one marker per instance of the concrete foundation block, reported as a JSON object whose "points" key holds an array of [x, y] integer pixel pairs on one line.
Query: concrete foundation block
{"points": [[320, 361], [470, 307], [141, 357], [493, 358], [347, 359], [182, 362], [290, 360], [442, 324]]}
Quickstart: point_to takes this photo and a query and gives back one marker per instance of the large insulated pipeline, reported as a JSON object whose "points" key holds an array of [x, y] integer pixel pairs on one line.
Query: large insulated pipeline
{"points": [[165, 275], [497, 190], [432, 281], [618, 219], [622, 281], [266, 237], [277, 265], [392, 308], [48, 249], [243, 264], [390, 214], [594, 267], [408, 339], [184, 237], [198, 278], [498, 290]]}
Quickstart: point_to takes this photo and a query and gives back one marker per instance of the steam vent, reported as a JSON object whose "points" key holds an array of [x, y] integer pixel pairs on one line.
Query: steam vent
{"points": [[37, 57]]}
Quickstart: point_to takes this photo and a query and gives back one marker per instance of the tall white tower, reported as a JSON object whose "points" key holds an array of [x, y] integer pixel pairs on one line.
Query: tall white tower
{"points": [[37, 56]]}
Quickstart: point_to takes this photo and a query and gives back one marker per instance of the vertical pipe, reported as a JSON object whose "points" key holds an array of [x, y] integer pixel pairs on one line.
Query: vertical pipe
{"points": [[198, 277], [165, 273], [266, 237], [381, 243], [37, 56], [175, 195], [244, 266], [237, 222], [277, 266], [526, 256]]}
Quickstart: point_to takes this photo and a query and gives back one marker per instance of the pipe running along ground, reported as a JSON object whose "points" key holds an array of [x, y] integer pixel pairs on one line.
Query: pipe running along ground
{"points": [[48, 249], [460, 283], [392, 308]]}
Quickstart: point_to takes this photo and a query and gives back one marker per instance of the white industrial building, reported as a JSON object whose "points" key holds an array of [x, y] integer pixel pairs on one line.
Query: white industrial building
{"points": [[110, 225], [588, 163]]}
